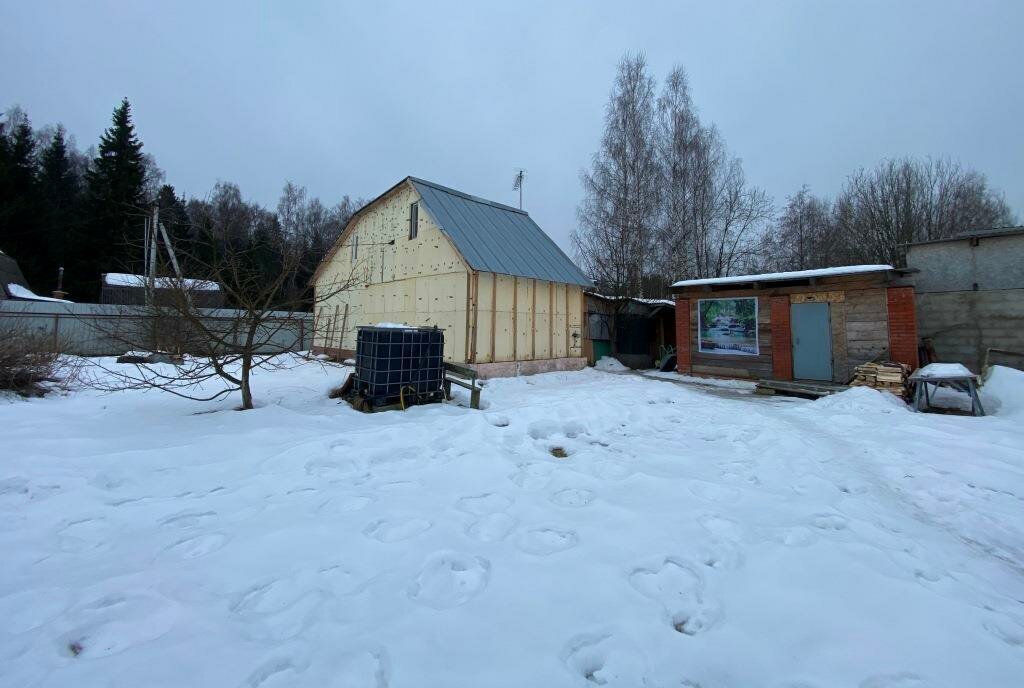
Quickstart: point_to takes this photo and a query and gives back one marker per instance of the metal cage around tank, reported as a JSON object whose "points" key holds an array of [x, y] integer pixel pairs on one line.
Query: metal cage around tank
{"points": [[399, 365]]}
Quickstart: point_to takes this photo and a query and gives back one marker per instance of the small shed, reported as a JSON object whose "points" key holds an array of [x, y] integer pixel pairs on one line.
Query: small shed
{"points": [[130, 290], [814, 325], [636, 331], [970, 296]]}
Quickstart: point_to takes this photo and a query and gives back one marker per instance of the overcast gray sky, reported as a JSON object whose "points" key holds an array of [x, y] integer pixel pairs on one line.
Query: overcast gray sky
{"points": [[348, 98]]}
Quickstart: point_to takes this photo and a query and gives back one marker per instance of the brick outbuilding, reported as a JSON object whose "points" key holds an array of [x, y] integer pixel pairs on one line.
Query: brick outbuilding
{"points": [[804, 325]]}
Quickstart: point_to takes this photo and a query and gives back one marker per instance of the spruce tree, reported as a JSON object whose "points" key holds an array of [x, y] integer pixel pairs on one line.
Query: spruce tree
{"points": [[59, 189], [19, 202], [115, 195]]}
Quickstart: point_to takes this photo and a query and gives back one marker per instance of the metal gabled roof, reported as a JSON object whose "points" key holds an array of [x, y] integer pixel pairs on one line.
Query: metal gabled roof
{"points": [[497, 238]]}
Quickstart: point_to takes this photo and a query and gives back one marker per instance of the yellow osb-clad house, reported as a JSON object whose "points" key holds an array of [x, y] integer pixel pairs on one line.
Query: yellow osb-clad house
{"points": [[509, 300]]}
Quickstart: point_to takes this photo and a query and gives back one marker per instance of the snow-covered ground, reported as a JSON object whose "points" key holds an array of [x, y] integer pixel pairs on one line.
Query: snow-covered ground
{"points": [[689, 538]]}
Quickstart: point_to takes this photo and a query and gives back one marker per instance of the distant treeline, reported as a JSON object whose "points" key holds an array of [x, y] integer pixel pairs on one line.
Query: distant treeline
{"points": [[664, 199], [85, 211]]}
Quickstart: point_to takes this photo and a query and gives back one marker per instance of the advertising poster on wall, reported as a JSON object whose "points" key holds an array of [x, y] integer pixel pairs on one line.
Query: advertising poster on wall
{"points": [[727, 326]]}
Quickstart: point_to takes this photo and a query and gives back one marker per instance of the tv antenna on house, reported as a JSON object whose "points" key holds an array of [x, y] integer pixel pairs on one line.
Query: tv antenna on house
{"points": [[517, 184]]}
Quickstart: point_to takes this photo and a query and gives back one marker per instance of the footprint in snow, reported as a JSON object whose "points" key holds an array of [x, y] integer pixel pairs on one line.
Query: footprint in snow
{"points": [[532, 476], [573, 497], [188, 519], [278, 671], [545, 541], [450, 579], [831, 522], [196, 546], [668, 583], [115, 623], [486, 503], [339, 579], [396, 529], [679, 589], [691, 617], [491, 527], [337, 470], [544, 429], [83, 534], [1005, 629], [720, 555], [796, 536], [266, 598], [605, 660], [344, 505], [363, 669], [720, 525], [398, 460], [19, 490]]}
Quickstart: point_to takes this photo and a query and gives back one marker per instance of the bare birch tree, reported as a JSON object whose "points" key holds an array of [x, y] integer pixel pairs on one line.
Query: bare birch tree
{"points": [[618, 216], [711, 218]]}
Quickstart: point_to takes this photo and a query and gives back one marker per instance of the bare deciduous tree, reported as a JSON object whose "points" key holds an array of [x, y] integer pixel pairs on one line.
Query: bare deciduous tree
{"points": [[619, 213], [219, 345], [906, 200], [711, 217], [803, 237], [664, 199]]}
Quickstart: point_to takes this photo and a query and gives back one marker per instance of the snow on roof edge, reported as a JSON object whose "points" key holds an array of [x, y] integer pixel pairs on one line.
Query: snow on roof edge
{"points": [[779, 276], [19, 292], [124, 279], [638, 299]]}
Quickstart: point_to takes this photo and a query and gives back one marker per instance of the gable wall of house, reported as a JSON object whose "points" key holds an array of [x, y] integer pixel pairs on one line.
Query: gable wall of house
{"points": [[420, 281], [487, 318]]}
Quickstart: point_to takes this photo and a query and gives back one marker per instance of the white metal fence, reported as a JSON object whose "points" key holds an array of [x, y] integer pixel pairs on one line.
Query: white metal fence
{"points": [[86, 329]]}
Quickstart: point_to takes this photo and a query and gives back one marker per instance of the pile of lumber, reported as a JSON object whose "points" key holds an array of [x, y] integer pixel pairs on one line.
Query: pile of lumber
{"points": [[887, 376]]}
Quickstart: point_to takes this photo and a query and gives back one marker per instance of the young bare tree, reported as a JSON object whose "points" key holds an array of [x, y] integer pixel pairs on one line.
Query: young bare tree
{"points": [[233, 249], [804, 237], [905, 200], [618, 216], [32, 361]]}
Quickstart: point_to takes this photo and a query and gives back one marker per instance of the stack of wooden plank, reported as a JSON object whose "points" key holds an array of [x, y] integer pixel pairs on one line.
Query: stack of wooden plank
{"points": [[886, 376]]}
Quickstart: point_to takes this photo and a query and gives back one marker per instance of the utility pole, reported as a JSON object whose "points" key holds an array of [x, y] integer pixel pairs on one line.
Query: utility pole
{"points": [[151, 258]]}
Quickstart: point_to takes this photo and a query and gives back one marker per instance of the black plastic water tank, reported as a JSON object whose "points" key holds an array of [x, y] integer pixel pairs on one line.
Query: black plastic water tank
{"points": [[400, 363]]}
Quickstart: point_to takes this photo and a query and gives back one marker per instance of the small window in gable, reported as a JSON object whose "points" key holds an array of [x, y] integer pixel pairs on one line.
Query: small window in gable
{"points": [[414, 219], [355, 247]]}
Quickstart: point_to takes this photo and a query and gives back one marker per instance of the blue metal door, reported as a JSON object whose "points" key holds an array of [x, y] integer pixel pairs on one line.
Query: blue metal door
{"points": [[812, 341]]}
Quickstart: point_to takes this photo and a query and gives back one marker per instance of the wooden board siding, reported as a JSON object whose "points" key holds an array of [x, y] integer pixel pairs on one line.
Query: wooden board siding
{"points": [[841, 370], [867, 326], [858, 322], [507, 330]]}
